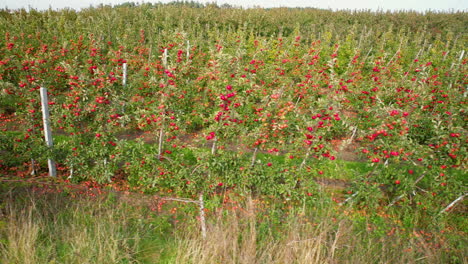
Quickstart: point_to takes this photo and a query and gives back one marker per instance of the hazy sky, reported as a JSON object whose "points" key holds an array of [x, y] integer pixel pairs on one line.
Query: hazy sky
{"points": [[418, 5]]}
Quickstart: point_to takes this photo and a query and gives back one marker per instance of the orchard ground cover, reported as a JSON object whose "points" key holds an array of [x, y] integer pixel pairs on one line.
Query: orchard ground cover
{"points": [[358, 113], [45, 221]]}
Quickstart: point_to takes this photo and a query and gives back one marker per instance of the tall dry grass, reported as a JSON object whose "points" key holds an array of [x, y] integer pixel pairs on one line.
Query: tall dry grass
{"points": [[51, 230], [57, 229], [235, 238], [21, 238]]}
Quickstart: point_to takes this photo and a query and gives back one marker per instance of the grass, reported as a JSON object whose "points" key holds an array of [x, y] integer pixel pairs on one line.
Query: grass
{"points": [[315, 234], [56, 228]]}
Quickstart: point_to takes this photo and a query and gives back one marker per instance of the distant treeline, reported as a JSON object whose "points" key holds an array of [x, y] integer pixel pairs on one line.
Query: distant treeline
{"points": [[191, 16]]}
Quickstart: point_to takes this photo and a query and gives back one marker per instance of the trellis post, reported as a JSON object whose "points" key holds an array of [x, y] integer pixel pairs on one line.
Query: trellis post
{"points": [[47, 130], [164, 59], [124, 79], [188, 50]]}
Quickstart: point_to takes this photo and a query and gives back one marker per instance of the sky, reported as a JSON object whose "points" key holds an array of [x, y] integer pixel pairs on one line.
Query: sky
{"points": [[376, 5]]}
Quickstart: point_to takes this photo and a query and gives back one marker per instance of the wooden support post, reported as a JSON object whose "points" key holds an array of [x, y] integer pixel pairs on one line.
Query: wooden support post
{"points": [[164, 59], [188, 50], [47, 130], [254, 157], [202, 215], [160, 145], [124, 79], [213, 146]]}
